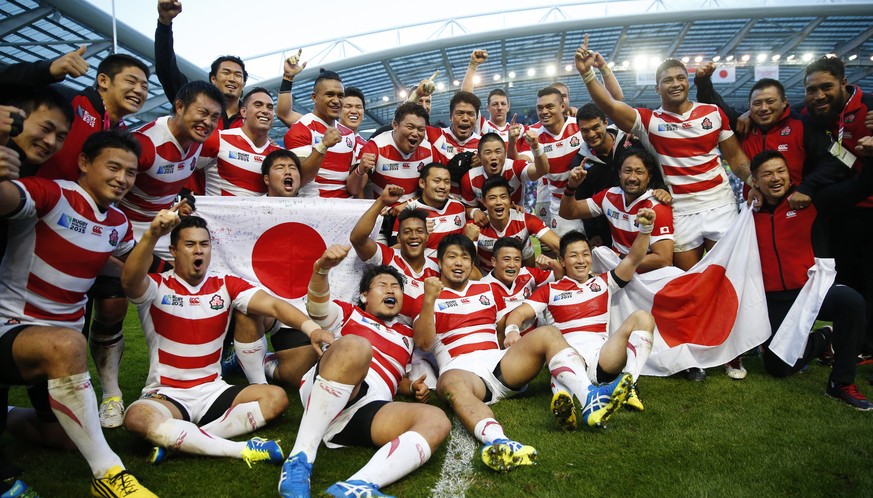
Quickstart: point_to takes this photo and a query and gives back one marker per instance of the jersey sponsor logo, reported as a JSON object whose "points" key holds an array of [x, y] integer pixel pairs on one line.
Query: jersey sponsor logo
{"points": [[169, 169], [547, 148], [706, 124], [574, 141], [458, 220], [391, 167], [667, 127], [791, 214], [113, 237], [73, 224], [563, 295], [194, 301], [686, 125], [785, 131], [484, 300], [216, 302], [172, 300], [849, 118], [782, 148], [91, 120], [405, 165], [465, 301], [848, 134], [96, 230], [595, 287], [448, 148], [447, 304], [259, 159], [486, 244], [239, 156]]}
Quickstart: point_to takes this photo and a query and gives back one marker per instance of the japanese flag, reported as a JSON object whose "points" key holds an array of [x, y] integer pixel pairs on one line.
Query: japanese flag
{"points": [[724, 74], [275, 241], [706, 316]]}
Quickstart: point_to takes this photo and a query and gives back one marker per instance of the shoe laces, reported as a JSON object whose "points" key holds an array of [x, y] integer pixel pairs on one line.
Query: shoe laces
{"points": [[852, 390], [297, 470], [125, 481]]}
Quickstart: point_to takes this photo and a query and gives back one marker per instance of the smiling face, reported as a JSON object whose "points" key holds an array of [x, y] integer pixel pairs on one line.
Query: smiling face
{"points": [[125, 93], [826, 95], [196, 121], [773, 180], [283, 178], [109, 176], [435, 187], [352, 113], [550, 111], [258, 113], [230, 80], [493, 156], [412, 238], [497, 203], [192, 254], [577, 261], [463, 119], [766, 106], [328, 98], [409, 132], [43, 134], [633, 177], [595, 135], [673, 87], [455, 267], [507, 263], [384, 298]]}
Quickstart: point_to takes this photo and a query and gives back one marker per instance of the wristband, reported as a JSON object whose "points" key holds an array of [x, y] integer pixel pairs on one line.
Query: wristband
{"points": [[570, 191], [358, 171], [285, 86], [308, 327], [510, 329], [472, 211], [605, 71], [321, 271], [317, 294], [538, 151], [589, 76], [749, 181], [646, 229], [320, 148]]}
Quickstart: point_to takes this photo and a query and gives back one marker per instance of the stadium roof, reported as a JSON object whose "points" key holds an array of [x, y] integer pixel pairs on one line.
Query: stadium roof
{"points": [[528, 49]]}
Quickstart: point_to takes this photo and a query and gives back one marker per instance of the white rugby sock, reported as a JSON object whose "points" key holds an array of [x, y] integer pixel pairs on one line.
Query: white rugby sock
{"points": [[238, 420], [271, 364], [251, 359], [488, 430], [396, 459], [74, 403], [568, 368], [184, 436], [326, 400], [639, 347]]}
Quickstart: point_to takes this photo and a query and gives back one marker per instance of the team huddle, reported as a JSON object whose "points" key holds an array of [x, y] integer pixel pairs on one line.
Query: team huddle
{"points": [[465, 293]]}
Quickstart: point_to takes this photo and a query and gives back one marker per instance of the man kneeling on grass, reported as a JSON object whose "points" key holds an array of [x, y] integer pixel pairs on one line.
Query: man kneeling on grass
{"points": [[458, 322], [185, 405], [347, 396]]}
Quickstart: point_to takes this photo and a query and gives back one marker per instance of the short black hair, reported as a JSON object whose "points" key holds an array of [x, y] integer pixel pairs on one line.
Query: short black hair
{"points": [[496, 181], [422, 174], [463, 97], [510, 242], [404, 215], [34, 98], [833, 65], [373, 271], [278, 154], [191, 90], [116, 63], [668, 64], [112, 138], [550, 90], [325, 75], [257, 89], [571, 237], [213, 70], [590, 111], [413, 108], [353, 91], [645, 156], [489, 137], [763, 157], [767, 83], [498, 92], [187, 222], [456, 239]]}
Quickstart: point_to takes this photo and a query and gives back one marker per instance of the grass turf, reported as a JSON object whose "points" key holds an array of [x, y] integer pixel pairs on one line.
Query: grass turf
{"points": [[759, 436]]}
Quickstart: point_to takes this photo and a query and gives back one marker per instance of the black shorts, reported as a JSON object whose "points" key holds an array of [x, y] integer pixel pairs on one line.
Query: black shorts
{"points": [[357, 431], [288, 338], [106, 287], [10, 375]]}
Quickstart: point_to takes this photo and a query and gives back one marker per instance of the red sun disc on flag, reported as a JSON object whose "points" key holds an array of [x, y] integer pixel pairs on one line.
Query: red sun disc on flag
{"points": [[722, 73], [696, 308], [282, 258]]}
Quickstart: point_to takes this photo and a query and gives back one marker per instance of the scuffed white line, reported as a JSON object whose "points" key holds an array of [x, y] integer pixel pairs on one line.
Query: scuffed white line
{"points": [[457, 471]]}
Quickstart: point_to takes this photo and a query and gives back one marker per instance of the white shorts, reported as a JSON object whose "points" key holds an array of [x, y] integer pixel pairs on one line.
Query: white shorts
{"points": [[690, 230], [197, 400], [562, 225], [482, 364], [588, 345], [376, 391], [423, 363]]}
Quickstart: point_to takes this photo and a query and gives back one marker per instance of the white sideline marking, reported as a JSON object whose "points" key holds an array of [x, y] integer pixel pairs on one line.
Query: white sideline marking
{"points": [[457, 471]]}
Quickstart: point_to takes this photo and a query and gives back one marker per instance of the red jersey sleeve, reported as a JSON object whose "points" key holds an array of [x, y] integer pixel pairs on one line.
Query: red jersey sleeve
{"points": [[467, 194], [44, 193], [369, 148], [534, 225], [298, 136], [147, 156], [236, 286]]}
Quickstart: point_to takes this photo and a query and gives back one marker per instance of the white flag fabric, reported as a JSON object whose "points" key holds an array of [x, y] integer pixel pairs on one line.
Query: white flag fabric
{"points": [[762, 72], [724, 74], [275, 241], [789, 342], [646, 77], [708, 315]]}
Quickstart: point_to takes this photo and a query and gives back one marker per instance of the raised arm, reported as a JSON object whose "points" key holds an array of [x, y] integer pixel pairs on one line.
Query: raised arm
{"points": [[628, 266], [540, 165], [476, 58], [617, 111], [706, 92], [166, 67], [571, 208], [609, 79], [285, 103], [424, 328], [364, 246], [425, 87], [134, 276]]}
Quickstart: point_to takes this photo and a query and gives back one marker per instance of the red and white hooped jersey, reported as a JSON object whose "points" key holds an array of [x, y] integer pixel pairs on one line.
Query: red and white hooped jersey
{"points": [[164, 168], [233, 164], [487, 126], [686, 146], [622, 218], [465, 321], [445, 141], [450, 219], [520, 226], [57, 243], [359, 144], [560, 149], [395, 167], [575, 307], [330, 181], [184, 326], [413, 286], [392, 341], [514, 172], [524, 285]]}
